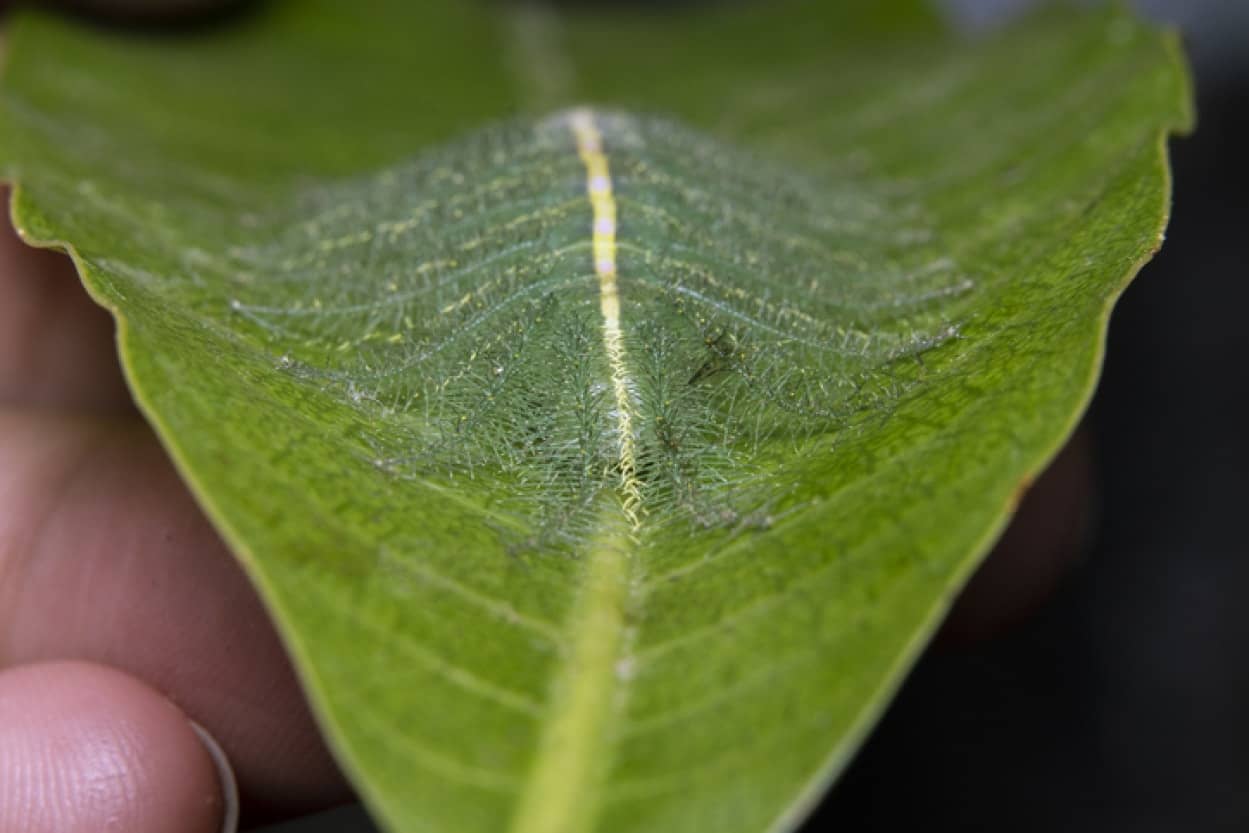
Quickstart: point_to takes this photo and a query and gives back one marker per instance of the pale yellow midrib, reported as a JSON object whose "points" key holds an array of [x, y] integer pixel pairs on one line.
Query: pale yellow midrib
{"points": [[564, 786], [563, 789], [603, 202]]}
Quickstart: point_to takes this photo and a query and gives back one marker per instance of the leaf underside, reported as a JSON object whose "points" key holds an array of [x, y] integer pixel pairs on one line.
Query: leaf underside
{"points": [[607, 406]]}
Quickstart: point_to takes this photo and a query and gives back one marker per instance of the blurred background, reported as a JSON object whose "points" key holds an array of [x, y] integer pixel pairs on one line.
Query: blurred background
{"points": [[1123, 704]]}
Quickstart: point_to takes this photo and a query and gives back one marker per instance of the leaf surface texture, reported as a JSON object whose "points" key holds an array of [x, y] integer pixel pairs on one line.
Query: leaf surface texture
{"points": [[607, 404]]}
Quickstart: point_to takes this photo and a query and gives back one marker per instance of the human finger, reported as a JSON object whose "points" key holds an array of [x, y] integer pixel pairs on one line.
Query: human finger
{"points": [[85, 748], [56, 345], [104, 556]]}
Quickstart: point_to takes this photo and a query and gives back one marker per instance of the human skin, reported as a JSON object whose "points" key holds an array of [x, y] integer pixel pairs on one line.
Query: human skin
{"points": [[106, 560]]}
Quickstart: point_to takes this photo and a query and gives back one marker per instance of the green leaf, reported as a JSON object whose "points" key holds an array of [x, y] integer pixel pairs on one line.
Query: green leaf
{"points": [[626, 530]]}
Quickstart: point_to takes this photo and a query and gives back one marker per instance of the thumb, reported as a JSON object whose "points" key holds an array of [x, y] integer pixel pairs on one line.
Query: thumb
{"points": [[86, 748]]}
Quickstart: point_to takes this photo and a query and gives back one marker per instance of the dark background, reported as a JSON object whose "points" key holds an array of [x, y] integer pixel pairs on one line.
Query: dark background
{"points": [[1123, 705]]}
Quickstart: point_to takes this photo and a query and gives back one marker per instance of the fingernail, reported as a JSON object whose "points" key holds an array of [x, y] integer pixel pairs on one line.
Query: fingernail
{"points": [[225, 775]]}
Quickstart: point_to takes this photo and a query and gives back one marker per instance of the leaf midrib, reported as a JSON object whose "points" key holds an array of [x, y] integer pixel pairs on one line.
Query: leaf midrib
{"points": [[569, 768], [568, 771]]}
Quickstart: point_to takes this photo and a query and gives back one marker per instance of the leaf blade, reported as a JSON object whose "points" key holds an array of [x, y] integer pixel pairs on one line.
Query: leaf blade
{"points": [[910, 549]]}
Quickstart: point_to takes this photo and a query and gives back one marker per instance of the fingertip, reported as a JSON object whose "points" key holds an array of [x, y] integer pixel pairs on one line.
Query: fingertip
{"points": [[104, 556], [225, 778], [84, 747]]}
